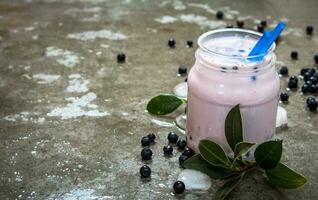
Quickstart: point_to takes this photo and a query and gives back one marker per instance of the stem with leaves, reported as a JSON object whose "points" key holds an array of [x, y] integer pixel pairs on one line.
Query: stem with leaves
{"points": [[213, 161]]}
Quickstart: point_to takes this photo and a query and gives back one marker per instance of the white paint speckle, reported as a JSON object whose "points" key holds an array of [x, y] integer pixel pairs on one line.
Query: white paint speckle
{"points": [[206, 7], [30, 28], [92, 35], [45, 78], [202, 21], [77, 84], [105, 46], [178, 5], [62, 56], [78, 107], [166, 19]]}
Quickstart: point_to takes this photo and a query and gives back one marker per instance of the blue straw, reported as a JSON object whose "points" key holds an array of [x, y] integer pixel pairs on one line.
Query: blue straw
{"points": [[265, 42]]}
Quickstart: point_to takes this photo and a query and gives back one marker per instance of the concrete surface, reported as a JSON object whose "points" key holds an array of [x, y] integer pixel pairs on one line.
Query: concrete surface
{"points": [[56, 146]]}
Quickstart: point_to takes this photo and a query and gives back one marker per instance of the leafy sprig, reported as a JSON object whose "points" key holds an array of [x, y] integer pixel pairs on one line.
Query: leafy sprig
{"points": [[212, 160]]}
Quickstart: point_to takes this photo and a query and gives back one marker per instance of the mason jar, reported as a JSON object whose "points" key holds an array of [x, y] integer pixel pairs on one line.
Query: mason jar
{"points": [[223, 76]]}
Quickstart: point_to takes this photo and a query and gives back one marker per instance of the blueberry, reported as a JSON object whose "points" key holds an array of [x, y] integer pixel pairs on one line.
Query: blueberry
{"points": [[240, 23], [186, 79], [263, 23], [294, 55], [305, 88], [309, 30], [293, 78], [307, 75], [189, 43], [172, 43], [172, 137], [182, 158], [146, 153], [304, 70], [316, 58], [292, 84], [121, 58], [229, 26], [181, 143], [283, 71], [284, 96], [312, 104], [152, 137], [188, 152], [167, 150], [312, 70], [310, 98], [309, 82], [179, 187], [260, 28], [145, 141], [182, 70], [314, 79], [219, 14], [145, 171], [313, 88]]}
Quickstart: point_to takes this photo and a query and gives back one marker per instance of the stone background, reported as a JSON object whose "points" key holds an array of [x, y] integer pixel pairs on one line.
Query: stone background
{"points": [[71, 118]]}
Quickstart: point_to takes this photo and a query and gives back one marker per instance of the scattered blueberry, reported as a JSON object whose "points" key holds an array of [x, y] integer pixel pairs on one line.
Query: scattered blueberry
{"points": [[121, 58], [307, 75], [145, 171], [312, 104], [283, 71], [181, 143], [167, 150], [145, 141], [188, 152], [303, 71], [294, 55], [172, 137], [263, 23], [305, 88], [316, 58], [229, 26], [314, 79], [240, 23], [152, 137], [189, 43], [219, 14], [260, 28], [182, 158], [293, 78], [179, 187], [292, 84], [146, 153], [310, 98], [172, 43], [309, 30], [313, 88], [284, 96], [182, 69]]}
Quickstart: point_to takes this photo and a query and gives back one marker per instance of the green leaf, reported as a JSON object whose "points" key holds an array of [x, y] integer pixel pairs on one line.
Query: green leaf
{"points": [[268, 154], [164, 104], [284, 177], [213, 153], [228, 187], [241, 148], [234, 127], [196, 162]]}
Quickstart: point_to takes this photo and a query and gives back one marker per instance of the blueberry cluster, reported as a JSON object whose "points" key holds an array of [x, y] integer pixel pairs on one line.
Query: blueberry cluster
{"points": [[173, 140], [310, 78]]}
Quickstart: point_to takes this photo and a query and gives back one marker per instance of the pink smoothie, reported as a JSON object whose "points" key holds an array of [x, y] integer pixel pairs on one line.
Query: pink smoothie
{"points": [[223, 77]]}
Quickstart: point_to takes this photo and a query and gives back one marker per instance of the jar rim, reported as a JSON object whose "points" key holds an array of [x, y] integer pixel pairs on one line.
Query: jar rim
{"points": [[207, 35]]}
